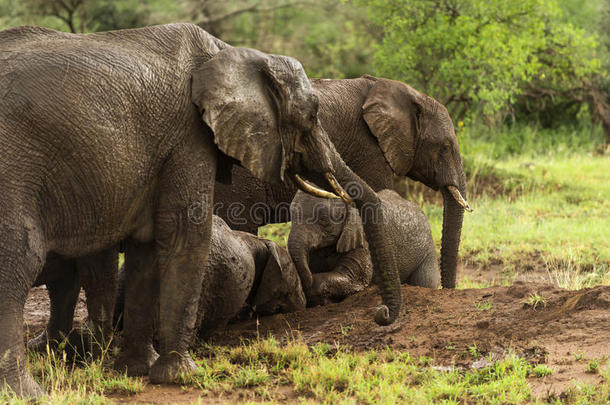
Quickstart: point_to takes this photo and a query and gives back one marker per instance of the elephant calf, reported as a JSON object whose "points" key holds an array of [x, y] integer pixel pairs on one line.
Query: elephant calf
{"points": [[343, 267], [243, 271]]}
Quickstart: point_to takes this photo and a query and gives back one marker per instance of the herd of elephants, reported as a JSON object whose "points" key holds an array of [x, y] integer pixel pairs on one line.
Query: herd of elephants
{"points": [[164, 143]]}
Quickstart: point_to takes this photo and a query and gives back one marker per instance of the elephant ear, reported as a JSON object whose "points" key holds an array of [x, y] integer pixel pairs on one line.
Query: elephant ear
{"points": [[238, 93], [392, 110], [280, 285]]}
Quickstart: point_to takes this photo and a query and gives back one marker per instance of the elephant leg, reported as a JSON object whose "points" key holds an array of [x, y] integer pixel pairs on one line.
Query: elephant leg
{"points": [[98, 276], [180, 289], [140, 301], [299, 247], [183, 229], [427, 274], [22, 257], [63, 287], [351, 274]]}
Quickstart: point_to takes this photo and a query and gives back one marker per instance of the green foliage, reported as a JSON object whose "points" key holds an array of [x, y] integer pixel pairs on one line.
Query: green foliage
{"points": [[477, 55], [74, 15], [593, 367], [330, 39], [534, 301], [339, 376], [541, 370], [106, 16]]}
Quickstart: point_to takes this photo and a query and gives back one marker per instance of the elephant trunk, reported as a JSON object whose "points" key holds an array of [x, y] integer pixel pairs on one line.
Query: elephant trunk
{"points": [[374, 219], [299, 251], [453, 216], [349, 187]]}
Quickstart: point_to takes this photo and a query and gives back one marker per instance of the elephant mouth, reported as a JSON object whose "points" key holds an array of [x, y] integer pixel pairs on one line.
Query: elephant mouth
{"points": [[415, 175], [457, 196], [339, 192]]}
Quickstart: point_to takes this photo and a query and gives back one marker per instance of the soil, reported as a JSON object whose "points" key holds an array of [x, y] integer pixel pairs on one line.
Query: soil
{"points": [[566, 331]]}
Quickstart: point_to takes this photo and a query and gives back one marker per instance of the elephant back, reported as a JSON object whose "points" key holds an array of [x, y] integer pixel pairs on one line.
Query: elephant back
{"points": [[227, 280], [409, 228]]}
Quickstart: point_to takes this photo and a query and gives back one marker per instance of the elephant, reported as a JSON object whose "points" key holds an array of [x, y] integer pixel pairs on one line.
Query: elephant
{"points": [[246, 271], [63, 278], [381, 128], [118, 137], [314, 245], [243, 273]]}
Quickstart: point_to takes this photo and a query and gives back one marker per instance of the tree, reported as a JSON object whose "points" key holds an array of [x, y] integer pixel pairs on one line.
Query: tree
{"points": [[330, 38], [90, 15], [574, 68], [476, 55], [211, 15]]}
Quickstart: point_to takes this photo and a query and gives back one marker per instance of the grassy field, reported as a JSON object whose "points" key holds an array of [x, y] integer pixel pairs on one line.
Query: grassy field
{"points": [[540, 203], [554, 215], [263, 370]]}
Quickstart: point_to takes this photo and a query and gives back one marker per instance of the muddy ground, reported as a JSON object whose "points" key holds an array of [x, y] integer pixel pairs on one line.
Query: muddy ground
{"points": [[441, 324]]}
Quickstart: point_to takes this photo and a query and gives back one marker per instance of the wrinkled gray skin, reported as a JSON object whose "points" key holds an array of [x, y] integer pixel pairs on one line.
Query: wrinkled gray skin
{"points": [[381, 128], [63, 278], [117, 136], [243, 272], [340, 271]]}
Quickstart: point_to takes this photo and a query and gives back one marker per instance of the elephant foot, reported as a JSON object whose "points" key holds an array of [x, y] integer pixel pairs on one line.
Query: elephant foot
{"points": [[24, 385], [81, 343], [40, 342], [316, 298], [169, 367], [76, 344], [91, 344], [318, 294], [136, 364]]}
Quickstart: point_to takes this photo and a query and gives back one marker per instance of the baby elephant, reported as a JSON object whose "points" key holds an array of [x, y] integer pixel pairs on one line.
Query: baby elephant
{"points": [[246, 271], [337, 268], [243, 272]]}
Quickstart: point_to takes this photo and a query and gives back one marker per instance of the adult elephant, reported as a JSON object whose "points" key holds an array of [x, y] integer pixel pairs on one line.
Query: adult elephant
{"points": [[380, 127], [116, 136]]}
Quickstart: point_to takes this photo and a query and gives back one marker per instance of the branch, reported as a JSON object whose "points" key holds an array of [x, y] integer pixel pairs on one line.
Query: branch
{"points": [[508, 18], [256, 8]]}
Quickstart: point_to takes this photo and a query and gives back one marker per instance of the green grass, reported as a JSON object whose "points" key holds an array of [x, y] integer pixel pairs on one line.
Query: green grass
{"points": [[541, 197], [534, 301], [68, 382], [276, 232], [559, 214], [333, 374], [541, 370], [322, 373]]}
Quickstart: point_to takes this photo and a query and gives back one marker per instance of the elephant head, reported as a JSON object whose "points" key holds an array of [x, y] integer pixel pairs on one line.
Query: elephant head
{"points": [[262, 110], [317, 224], [417, 138], [280, 288]]}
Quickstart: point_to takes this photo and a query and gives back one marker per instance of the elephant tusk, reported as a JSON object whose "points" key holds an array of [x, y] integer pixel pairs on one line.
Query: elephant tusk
{"points": [[458, 197], [315, 191], [337, 187]]}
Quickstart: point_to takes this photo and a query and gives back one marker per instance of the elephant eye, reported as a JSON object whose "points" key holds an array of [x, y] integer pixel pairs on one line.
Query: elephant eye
{"points": [[313, 117]]}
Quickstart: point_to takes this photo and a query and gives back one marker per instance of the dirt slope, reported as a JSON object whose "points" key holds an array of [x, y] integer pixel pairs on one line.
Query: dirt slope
{"points": [[442, 324]]}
